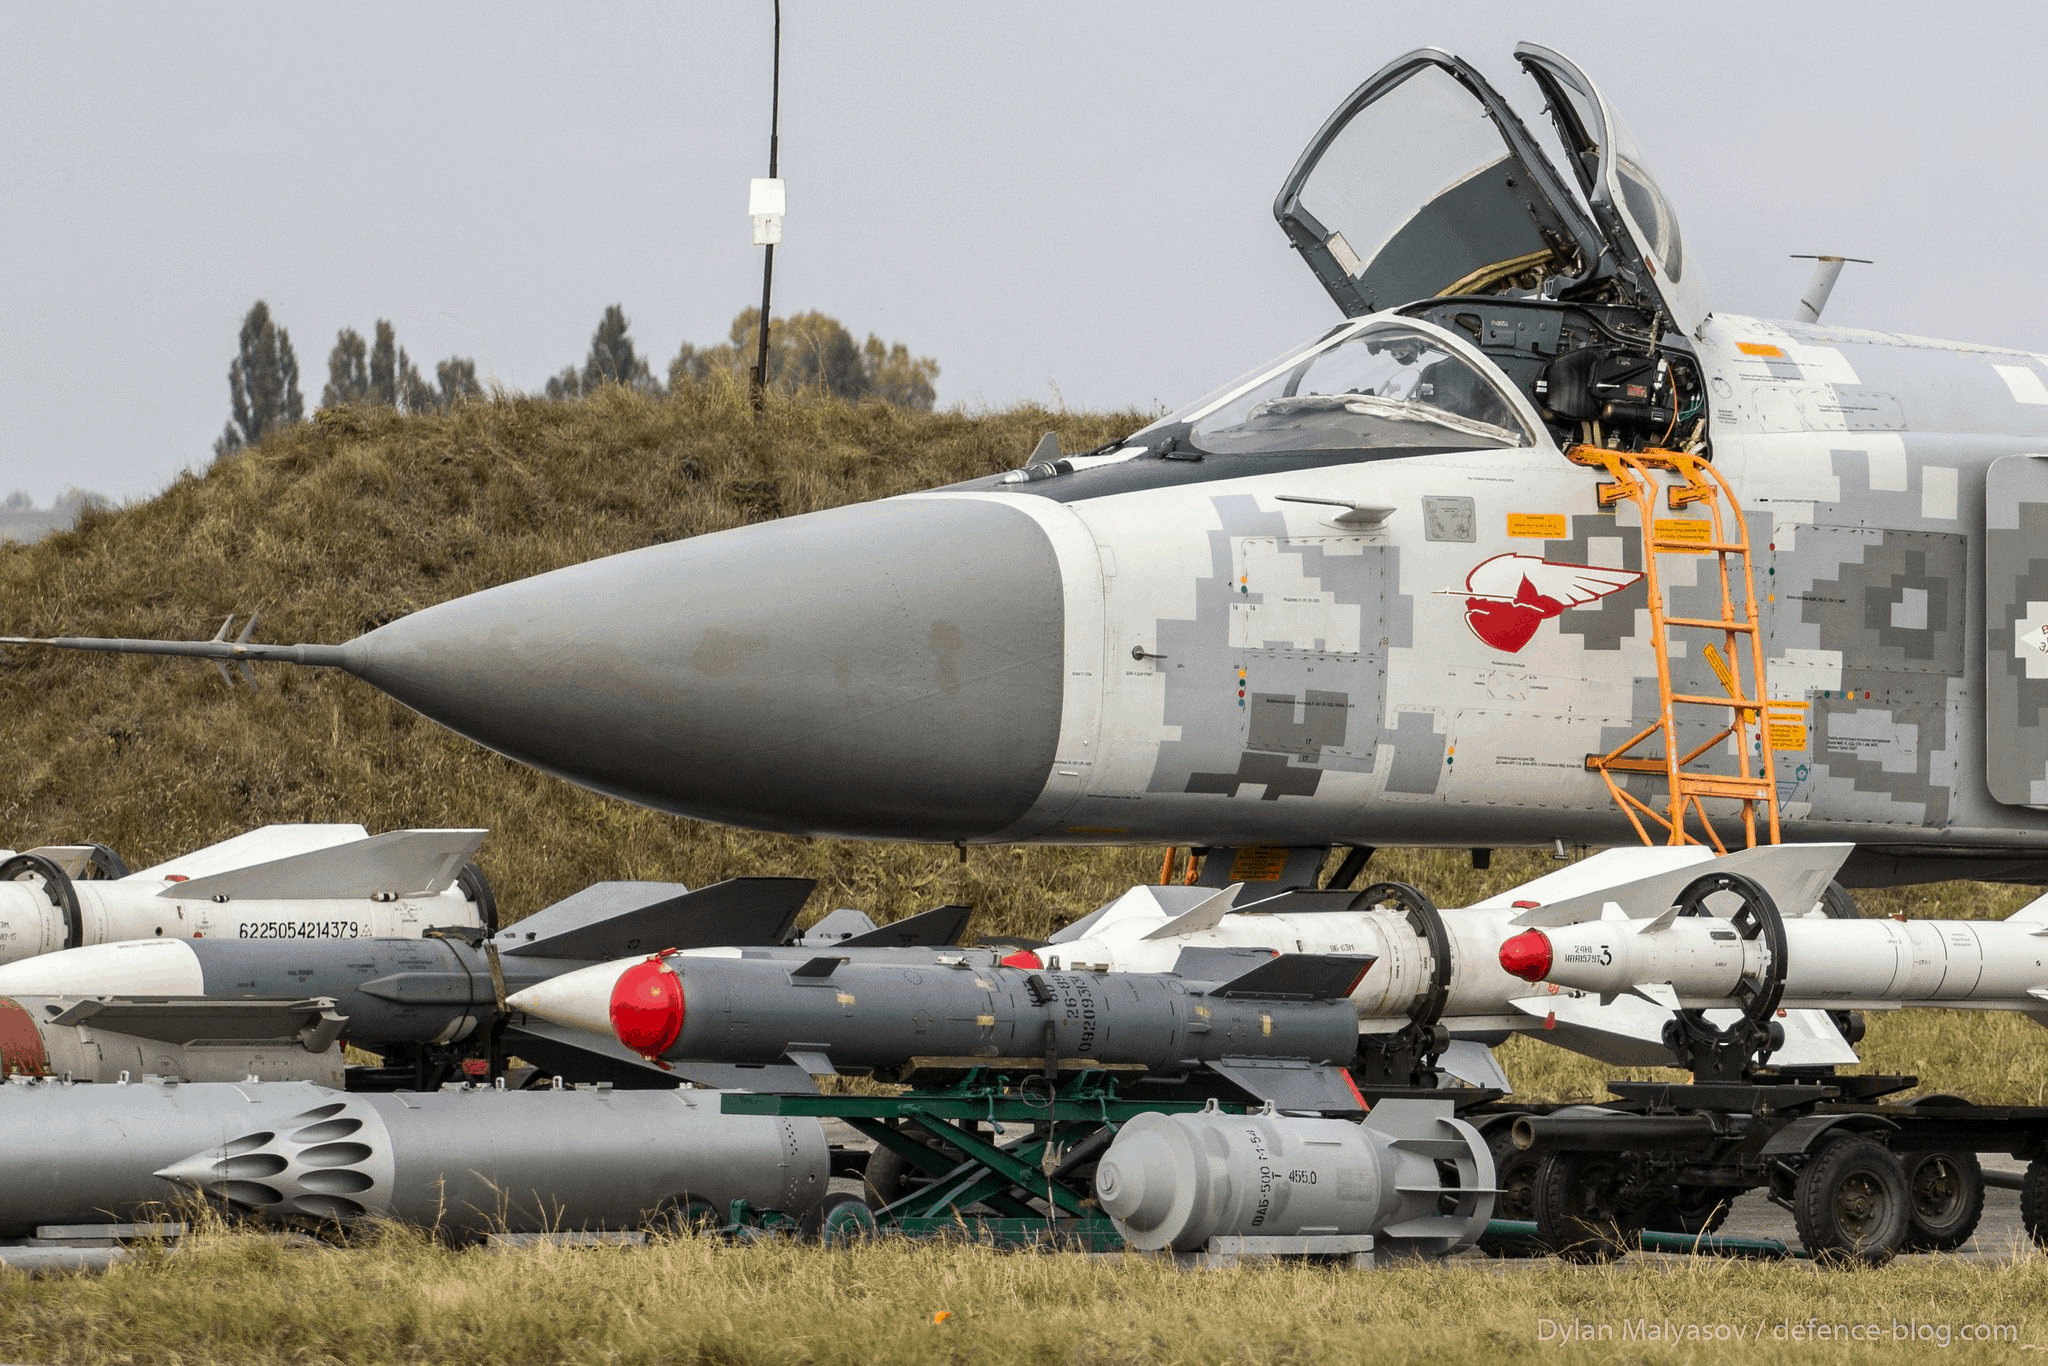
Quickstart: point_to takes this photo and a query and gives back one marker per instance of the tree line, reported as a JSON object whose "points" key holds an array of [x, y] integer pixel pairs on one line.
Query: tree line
{"points": [[809, 352]]}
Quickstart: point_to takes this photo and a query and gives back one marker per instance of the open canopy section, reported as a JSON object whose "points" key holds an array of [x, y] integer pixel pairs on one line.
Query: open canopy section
{"points": [[1624, 197], [1425, 183]]}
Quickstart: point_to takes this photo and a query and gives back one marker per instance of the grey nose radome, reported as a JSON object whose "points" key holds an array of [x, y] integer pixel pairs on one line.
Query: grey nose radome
{"points": [[890, 670]]}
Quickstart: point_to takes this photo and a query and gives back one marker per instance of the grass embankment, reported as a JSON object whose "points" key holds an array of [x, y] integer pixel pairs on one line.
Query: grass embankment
{"points": [[235, 1298]]}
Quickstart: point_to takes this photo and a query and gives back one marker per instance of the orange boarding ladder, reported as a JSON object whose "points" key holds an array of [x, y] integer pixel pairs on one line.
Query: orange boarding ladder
{"points": [[1634, 475]]}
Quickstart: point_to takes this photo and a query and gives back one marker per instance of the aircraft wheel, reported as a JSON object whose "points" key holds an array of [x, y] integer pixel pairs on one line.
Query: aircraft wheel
{"points": [[839, 1221], [1948, 1199], [1692, 1210], [1515, 1173], [1851, 1202], [1578, 1206], [2034, 1201]]}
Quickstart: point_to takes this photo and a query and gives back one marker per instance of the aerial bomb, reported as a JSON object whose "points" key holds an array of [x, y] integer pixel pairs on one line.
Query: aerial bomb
{"points": [[1702, 960], [281, 882], [1411, 1175], [107, 1039], [80, 1153], [479, 1160], [1282, 1031]]}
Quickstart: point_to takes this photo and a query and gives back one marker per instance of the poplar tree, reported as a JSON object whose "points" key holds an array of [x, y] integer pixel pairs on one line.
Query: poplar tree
{"points": [[263, 383]]}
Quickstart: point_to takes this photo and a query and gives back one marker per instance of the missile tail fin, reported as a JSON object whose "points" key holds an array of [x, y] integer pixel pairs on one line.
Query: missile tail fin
{"points": [[1293, 1085], [1661, 923], [937, 928], [398, 862], [618, 919], [1300, 977], [1657, 993], [1203, 917]]}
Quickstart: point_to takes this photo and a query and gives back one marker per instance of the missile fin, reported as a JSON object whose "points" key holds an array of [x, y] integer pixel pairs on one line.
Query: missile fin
{"points": [[2038, 993], [820, 967], [1300, 977], [1661, 923], [811, 1058], [836, 927], [608, 920], [2037, 909], [1292, 1085], [1204, 917], [1793, 875], [398, 863], [185, 1020], [937, 928], [1657, 993], [1218, 963]]}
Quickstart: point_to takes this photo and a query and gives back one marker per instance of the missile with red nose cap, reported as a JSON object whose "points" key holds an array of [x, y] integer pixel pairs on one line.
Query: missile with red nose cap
{"points": [[1694, 954], [1282, 1031], [1441, 969]]}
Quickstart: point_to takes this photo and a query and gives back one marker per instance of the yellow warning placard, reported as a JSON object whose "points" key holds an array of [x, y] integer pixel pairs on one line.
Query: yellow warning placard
{"points": [[1684, 529], [1762, 349], [1259, 863], [1788, 735], [1549, 525]]}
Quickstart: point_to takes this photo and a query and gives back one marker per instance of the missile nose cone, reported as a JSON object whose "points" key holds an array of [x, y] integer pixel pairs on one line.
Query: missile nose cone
{"points": [[1527, 956], [888, 670], [647, 1007], [577, 1000]]}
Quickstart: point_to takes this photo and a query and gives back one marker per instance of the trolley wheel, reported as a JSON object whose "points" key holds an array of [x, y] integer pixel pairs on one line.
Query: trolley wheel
{"points": [[1851, 1202], [1514, 1171], [890, 1175], [839, 1221], [2034, 1201], [1692, 1210], [684, 1216], [1948, 1199], [1578, 1206]]}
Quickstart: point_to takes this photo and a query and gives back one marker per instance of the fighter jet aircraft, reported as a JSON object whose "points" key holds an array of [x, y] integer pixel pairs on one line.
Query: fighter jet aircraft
{"points": [[1534, 545]]}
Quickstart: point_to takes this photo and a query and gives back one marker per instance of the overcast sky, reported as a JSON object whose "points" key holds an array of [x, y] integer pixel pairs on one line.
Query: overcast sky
{"points": [[1059, 201]]}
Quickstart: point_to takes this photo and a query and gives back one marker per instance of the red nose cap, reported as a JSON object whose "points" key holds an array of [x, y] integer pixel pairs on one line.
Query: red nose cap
{"points": [[1023, 958], [1527, 955], [647, 1007]]}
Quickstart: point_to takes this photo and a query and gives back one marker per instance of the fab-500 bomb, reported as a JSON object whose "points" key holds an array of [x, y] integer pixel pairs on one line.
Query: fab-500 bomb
{"points": [[1413, 1177], [1704, 960], [472, 1161], [282, 882], [1282, 1031]]}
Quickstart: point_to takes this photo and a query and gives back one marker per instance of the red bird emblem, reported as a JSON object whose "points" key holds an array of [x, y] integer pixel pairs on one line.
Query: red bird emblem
{"points": [[1509, 596]]}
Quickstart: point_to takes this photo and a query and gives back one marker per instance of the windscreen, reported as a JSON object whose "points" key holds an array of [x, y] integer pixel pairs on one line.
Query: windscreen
{"points": [[1386, 387]]}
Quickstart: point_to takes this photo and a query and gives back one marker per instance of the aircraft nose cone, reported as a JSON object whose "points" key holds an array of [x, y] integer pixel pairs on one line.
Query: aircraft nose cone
{"points": [[890, 670], [1527, 956]]}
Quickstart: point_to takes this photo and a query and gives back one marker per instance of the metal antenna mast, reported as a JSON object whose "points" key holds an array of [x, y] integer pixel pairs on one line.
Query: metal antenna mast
{"points": [[760, 385]]}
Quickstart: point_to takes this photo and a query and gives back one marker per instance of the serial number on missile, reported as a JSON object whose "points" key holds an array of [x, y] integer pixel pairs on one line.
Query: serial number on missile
{"points": [[1078, 1002], [301, 929]]}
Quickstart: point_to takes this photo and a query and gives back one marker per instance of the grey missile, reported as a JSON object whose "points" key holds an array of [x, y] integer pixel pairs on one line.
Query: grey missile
{"points": [[280, 882], [469, 1161], [1283, 1031], [142, 1004], [1411, 1177]]}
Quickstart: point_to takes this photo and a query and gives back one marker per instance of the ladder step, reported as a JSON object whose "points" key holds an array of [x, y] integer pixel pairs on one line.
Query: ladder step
{"points": [[1701, 700], [1710, 623], [1700, 547], [1620, 764], [1709, 785]]}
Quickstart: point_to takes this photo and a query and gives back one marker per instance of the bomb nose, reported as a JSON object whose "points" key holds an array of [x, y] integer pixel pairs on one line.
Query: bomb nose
{"points": [[1527, 956], [890, 670]]}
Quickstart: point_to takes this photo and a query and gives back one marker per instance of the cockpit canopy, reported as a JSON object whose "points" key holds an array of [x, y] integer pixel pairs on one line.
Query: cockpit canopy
{"points": [[1381, 385]]}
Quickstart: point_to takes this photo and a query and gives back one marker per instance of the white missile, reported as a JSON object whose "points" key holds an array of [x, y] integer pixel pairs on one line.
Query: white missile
{"points": [[1148, 929], [280, 882], [1697, 961]]}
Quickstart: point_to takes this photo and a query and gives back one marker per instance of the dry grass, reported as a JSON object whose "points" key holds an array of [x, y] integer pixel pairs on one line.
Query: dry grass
{"points": [[239, 1298]]}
